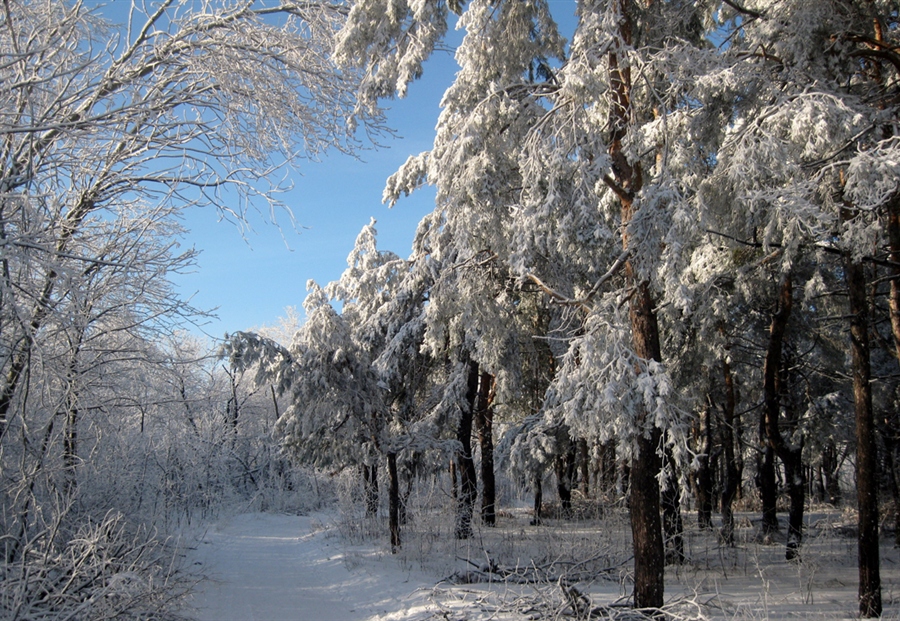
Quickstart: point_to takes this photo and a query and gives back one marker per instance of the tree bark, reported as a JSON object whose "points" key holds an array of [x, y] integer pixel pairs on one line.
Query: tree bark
{"points": [[465, 465], [70, 444], [774, 380], [646, 530], [732, 474], [866, 451], [608, 470], [649, 555], [673, 526], [890, 427], [649, 558], [484, 425], [831, 464], [565, 475], [454, 480], [370, 488], [584, 466], [765, 482], [393, 502], [703, 480], [538, 499]]}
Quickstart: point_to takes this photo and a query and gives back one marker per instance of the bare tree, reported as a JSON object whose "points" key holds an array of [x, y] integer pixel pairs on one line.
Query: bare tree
{"points": [[107, 135]]}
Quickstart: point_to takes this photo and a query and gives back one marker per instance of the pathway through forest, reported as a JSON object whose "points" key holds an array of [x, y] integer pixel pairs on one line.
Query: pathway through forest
{"points": [[264, 567]]}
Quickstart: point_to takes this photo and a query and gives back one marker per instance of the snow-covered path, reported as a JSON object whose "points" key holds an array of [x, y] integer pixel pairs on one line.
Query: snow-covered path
{"points": [[266, 567]]}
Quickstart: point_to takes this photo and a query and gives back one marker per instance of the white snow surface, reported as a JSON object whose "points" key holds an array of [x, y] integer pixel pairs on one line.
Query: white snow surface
{"points": [[267, 567], [272, 567]]}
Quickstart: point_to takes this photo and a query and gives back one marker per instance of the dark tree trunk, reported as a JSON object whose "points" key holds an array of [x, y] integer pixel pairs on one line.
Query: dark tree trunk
{"points": [[732, 474], [538, 486], [738, 453], [484, 424], [891, 428], [454, 480], [796, 483], [232, 409], [606, 477], [646, 530], [393, 502], [411, 470], [673, 527], [370, 487], [584, 466], [817, 484], [831, 465], [774, 381], [465, 465], [703, 479], [765, 482], [866, 452], [70, 444], [565, 475]]}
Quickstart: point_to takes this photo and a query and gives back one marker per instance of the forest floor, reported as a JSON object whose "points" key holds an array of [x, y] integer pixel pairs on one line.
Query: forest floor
{"points": [[323, 567]]}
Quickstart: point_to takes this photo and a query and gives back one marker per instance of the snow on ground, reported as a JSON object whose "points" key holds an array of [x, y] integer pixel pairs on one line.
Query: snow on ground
{"points": [[264, 567]]}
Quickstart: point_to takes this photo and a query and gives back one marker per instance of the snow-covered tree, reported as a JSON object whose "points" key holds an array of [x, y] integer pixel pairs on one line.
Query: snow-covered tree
{"points": [[808, 156], [356, 378], [108, 133], [686, 165]]}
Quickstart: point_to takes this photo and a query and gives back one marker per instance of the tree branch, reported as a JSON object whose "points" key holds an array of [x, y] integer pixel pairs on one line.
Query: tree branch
{"points": [[743, 10], [583, 302]]}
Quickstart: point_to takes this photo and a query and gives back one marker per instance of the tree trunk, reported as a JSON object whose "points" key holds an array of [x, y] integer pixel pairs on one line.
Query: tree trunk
{"points": [[673, 527], [866, 451], [703, 480], [411, 470], [793, 472], [584, 466], [484, 425], [891, 428], [393, 502], [774, 385], [564, 465], [732, 475], [370, 488], [765, 482], [21, 356], [649, 558], [606, 478], [646, 530], [465, 465], [454, 480], [70, 445], [232, 409], [649, 555], [538, 498], [830, 472]]}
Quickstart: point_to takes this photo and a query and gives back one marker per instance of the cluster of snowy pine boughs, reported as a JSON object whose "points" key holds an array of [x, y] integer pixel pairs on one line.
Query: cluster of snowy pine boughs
{"points": [[746, 124]]}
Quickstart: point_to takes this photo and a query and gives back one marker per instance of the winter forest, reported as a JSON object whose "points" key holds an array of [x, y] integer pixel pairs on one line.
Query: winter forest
{"points": [[646, 343]]}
